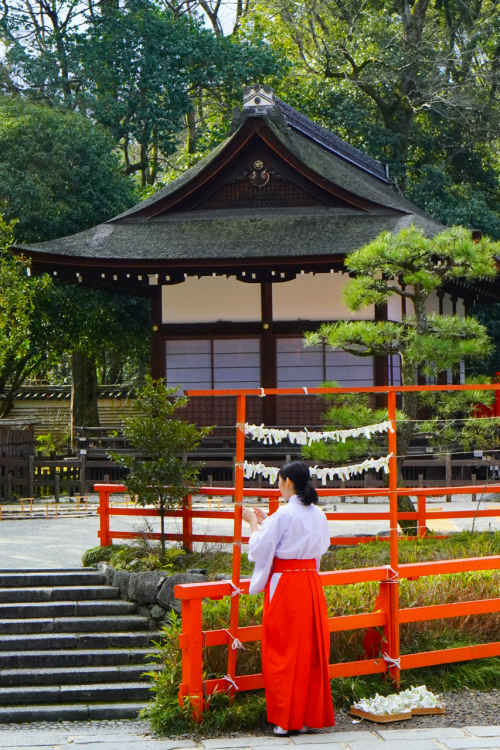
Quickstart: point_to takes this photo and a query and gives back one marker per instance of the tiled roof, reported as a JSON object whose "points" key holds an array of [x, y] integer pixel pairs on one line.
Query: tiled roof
{"points": [[332, 142]]}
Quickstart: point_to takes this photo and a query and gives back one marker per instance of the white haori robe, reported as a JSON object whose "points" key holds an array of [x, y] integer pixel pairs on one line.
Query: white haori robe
{"points": [[295, 532]]}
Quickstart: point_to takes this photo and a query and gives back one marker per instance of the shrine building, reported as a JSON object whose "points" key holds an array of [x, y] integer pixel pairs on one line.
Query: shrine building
{"points": [[244, 252]]}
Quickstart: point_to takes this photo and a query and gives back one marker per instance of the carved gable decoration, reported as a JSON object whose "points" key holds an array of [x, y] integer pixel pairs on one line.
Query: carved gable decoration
{"points": [[261, 185]]}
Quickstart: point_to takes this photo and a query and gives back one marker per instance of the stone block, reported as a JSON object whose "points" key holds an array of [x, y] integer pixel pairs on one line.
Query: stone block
{"points": [[473, 743], [434, 733], [157, 612], [325, 738], [142, 586], [121, 581], [165, 596], [484, 731], [246, 741], [391, 744]]}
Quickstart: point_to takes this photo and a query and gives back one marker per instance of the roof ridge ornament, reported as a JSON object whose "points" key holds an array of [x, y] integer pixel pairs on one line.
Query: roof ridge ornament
{"points": [[257, 97], [259, 101]]}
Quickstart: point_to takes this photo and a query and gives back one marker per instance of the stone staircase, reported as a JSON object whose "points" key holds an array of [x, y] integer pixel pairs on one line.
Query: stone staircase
{"points": [[70, 649]]}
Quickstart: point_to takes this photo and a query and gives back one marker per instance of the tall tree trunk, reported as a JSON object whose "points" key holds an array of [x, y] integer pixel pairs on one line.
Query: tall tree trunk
{"points": [[192, 134], [84, 387], [162, 530]]}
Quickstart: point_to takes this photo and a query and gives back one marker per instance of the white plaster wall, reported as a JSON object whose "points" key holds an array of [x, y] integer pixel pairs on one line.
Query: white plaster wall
{"points": [[210, 299], [447, 305], [315, 297], [432, 303], [394, 308], [460, 309]]}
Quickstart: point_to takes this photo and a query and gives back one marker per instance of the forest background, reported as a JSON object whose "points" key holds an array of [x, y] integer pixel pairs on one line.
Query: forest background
{"points": [[102, 103]]}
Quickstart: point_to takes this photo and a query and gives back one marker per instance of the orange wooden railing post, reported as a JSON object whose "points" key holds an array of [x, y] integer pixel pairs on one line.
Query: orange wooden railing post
{"points": [[274, 504], [497, 396], [238, 510], [393, 630], [191, 643], [104, 518], [187, 522], [421, 507]]}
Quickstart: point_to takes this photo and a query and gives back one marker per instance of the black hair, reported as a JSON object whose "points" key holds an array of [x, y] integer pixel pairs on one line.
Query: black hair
{"points": [[298, 473]]}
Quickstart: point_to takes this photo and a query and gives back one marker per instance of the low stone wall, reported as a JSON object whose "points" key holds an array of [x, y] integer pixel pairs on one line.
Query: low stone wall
{"points": [[152, 591]]}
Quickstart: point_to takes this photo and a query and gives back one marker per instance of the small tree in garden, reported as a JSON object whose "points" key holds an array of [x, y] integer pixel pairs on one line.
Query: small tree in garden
{"points": [[161, 478], [412, 267]]}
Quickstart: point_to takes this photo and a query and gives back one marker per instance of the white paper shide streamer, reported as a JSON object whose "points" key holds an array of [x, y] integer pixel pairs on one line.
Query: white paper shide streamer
{"points": [[270, 435], [340, 472]]}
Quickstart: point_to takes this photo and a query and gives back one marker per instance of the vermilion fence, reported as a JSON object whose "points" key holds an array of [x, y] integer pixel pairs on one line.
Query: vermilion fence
{"points": [[389, 617], [271, 496]]}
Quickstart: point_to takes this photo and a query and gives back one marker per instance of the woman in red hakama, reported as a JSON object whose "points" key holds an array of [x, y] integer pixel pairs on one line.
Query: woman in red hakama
{"points": [[286, 550]]}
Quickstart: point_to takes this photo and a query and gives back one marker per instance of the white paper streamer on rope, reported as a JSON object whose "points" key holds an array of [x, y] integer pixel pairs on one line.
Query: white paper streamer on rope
{"points": [[341, 472], [269, 435]]}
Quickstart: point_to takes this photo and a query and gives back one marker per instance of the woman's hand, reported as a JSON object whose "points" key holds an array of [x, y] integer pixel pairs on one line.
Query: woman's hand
{"points": [[249, 516], [260, 514]]}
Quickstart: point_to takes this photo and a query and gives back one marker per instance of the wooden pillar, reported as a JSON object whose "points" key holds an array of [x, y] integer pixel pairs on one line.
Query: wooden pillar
{"points": [[158, 364], [268, 353], [380, 363]]}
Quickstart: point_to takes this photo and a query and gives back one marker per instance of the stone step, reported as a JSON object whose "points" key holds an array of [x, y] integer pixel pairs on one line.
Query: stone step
{"points": [[60, 641], [23, 579], [27, 610], [58, 594], [67, 712], [53, 694], [76, 675], [42, 570], [104, 624], [76, 657]]}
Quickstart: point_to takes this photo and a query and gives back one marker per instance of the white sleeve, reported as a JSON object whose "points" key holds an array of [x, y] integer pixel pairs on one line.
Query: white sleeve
{"points": [[324, 539], [261, 548]]}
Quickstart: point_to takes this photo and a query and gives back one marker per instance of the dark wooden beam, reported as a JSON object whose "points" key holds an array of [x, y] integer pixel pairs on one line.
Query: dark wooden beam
{"points": [[381, 363], [268, 354], [158, 364]]}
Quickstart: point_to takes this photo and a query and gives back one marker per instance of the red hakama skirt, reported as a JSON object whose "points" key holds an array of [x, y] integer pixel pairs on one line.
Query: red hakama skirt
{"points": [[296, 648]]}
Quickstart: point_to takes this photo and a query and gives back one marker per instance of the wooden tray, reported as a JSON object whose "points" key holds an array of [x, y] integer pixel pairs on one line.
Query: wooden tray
{"points": [[380, 719], [427, 711]]}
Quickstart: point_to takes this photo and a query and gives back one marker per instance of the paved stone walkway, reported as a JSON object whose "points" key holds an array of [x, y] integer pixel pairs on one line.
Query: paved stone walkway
{"points": [[137, 736]]}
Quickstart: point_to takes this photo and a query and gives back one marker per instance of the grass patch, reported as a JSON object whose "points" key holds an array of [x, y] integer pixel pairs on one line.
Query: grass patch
{"points": [[373, 554]]}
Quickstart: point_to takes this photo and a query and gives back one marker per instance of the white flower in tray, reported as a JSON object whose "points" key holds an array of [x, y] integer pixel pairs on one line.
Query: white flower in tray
{"points": [[388, 705]]}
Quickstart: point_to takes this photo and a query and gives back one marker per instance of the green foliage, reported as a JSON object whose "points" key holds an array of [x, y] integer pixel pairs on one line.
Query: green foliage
{"points": [[58, 172], [136, 557], [100, 554], [417, 261], [163, 477], [454, 423], [138, 69], [97, 322], [51, 320], [49, 443], [489, 317], [345, 411], [417, 90], [412, 267], [246, 712], [374, 554], [18, 296]]}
